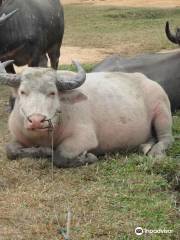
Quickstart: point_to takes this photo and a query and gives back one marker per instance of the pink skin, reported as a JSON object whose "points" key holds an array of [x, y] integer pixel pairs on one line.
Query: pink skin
{"points": [[35, 121], [111, 111]]}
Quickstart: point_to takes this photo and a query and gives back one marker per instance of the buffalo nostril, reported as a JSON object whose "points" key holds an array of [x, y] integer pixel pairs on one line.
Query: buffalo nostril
{"points": [[43, 120], [29, 120], [36, 120]]}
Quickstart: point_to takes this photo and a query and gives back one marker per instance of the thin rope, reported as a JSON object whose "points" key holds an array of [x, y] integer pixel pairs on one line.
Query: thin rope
{"points": [[52, 153], [52, 171], [64, 232]]}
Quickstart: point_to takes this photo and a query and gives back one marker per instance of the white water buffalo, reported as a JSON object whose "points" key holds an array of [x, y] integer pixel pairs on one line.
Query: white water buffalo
{"points": [[105, 113]]}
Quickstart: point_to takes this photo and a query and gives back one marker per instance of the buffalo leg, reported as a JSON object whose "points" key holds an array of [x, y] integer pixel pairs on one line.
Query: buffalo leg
{"points": [[54, 54], [35, 59], [146, 147], [73, 151], [83, 159], [15, 150], [10, 69], [43, 61], [162, 125]]}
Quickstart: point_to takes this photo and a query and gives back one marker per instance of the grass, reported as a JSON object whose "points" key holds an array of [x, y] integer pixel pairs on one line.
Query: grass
{"points": [[108, 199], [128, 30], [87, 66]]}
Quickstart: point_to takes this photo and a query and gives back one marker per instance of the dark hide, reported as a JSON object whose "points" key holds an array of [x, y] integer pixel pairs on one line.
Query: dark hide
{"points": [[36, 29]]}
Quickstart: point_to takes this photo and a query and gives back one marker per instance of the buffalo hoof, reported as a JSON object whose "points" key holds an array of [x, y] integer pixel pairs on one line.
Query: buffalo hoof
{"points": [[15, 150], [145, 148], [12, 151], [157, 151], [83, 159]]}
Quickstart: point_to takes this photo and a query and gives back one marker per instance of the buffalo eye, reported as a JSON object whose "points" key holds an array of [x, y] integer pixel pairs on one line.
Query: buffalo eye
{"points": [[23, 93], [51, 94]]}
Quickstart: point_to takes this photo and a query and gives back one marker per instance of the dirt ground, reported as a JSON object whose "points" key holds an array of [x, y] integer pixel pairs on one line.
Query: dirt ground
{"points": [[89, 55], [85, 55], [130, 3], [96, 55]]}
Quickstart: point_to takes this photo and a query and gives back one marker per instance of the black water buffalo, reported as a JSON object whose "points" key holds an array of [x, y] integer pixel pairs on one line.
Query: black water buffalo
{"points": [[163, 68], [36, 29]]}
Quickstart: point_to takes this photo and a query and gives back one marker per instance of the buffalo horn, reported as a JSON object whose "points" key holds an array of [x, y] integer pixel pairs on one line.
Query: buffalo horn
{"points": [[169, 35], [4, 16], [68, 81], [12, 80]]}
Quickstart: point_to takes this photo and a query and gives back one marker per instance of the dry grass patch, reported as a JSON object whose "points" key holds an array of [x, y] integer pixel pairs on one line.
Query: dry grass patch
{"points": [[127, 31], [129, 3], [108, 199]]}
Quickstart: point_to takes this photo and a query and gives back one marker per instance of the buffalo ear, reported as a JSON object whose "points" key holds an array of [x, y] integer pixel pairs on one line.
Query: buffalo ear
{"points": [[72, 97]]}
